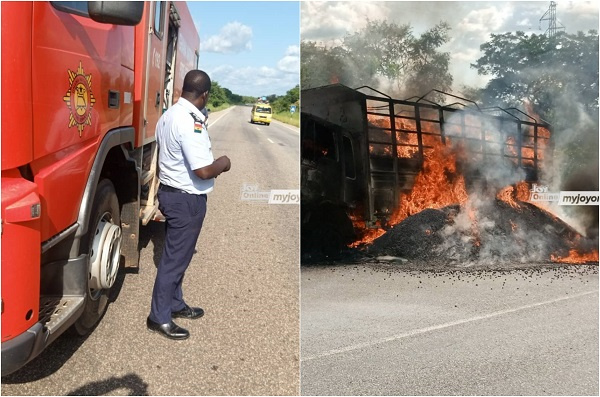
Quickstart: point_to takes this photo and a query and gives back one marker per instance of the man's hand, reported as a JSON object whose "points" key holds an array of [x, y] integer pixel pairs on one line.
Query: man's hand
{"points": [[222, 164], [227, 163]]}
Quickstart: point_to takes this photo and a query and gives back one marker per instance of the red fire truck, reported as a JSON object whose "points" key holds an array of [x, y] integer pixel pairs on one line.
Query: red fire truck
{"points": [[83, 86]]}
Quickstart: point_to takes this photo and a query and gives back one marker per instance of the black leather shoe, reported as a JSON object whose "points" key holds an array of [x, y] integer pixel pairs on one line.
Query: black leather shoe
{"points": [[169, 330], [188, 312]]}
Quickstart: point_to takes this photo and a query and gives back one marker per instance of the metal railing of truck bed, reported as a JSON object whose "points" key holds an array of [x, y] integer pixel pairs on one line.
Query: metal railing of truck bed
{"points": [[406, 128], [400, 132]]}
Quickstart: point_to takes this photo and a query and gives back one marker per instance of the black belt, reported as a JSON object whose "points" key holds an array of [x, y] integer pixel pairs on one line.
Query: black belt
{"points": [[170, 189]]}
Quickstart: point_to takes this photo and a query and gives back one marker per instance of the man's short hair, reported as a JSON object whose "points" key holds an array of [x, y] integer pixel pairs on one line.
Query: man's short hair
{"points": [[196, 82]]}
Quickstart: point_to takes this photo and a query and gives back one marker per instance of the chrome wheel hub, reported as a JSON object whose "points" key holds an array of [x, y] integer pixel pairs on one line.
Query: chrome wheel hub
{"points": [[105, 255]]}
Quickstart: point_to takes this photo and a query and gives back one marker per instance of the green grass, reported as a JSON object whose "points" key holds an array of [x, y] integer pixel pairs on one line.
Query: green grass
{"points": [[223, 106], [288, 118]]}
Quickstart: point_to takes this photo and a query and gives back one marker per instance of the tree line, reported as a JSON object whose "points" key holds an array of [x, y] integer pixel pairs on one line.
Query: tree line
{"points": [[220, 96], [535, 68], [381, 52]]}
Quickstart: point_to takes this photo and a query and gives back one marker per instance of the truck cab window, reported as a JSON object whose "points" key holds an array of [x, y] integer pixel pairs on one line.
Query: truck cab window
{"points": [[72, 7], [317, 142], [349, 158], [159, 18], [324, 143]]}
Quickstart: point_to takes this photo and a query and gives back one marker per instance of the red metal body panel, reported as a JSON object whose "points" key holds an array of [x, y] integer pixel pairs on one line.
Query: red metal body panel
{"points": [[17, 149], [68, 48], [141, 61], [188, 46], [20, 245], [61, 179], [155, 75], [126, 87], [150, 66]]}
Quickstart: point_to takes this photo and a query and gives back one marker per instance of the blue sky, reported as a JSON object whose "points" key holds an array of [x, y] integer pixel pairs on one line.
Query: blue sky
{"points": [[251, 48]]}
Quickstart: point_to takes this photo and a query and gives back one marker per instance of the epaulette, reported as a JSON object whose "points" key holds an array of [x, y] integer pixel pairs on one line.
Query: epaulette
{"points": [[197, 123], [195, 117]]}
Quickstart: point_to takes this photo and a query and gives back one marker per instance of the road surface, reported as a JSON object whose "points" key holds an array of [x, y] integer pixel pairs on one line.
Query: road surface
{"points": [[245, 275], [377, 330]]}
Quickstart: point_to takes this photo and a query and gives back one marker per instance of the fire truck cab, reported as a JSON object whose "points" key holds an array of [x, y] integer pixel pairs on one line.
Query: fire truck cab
{"points": [[83, 86]]}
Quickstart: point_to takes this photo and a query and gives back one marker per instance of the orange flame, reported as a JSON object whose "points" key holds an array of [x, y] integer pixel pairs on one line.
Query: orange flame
{"points": [[367, 236], [576, 257], [507, 195], [440, 184], [436, 186]]}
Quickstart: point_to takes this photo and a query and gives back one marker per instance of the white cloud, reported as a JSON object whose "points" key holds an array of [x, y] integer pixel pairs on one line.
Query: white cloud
{"points": [[254, 81], [290, 63], [234, 37], [466, 55], [581, 9], [328, 20], [485, 20]]}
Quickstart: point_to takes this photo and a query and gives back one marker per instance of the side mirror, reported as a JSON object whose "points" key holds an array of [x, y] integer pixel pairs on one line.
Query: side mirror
{"points": [[116, 12]]}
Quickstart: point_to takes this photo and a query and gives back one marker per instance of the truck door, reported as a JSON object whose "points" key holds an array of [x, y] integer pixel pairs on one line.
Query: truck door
{"points": [[157, 44], [82, 77], [351, 185]]}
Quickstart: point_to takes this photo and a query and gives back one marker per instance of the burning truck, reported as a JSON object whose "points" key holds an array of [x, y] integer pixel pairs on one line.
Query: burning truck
{"points": [[425, 180]]}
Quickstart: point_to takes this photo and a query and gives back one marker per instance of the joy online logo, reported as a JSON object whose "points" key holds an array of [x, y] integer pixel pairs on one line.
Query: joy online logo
{"points": [[540, 193]]}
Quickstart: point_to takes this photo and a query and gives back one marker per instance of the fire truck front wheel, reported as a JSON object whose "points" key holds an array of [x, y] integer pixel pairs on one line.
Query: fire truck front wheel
{"points": [[102, 244]]}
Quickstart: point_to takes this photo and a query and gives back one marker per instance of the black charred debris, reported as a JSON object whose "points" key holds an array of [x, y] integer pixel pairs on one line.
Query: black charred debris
{"points": [[498, 236]]}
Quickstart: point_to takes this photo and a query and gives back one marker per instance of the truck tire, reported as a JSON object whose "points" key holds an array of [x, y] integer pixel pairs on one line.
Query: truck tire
{"points": [[327, 234], [102, 245]]}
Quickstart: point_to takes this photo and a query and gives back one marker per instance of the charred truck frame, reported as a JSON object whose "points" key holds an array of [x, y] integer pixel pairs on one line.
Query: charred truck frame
{"points": [[361, 151]]}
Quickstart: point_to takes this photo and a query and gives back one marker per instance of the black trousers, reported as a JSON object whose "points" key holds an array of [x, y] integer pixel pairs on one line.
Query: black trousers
{"points": [[184, 215]]}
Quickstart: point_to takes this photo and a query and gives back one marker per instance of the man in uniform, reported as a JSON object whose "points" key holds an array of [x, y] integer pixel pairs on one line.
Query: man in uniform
{"points": [[186, 173]]}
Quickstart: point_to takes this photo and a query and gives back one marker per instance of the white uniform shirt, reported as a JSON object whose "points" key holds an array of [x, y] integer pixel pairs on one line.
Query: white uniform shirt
{"points": [[184, 146]]}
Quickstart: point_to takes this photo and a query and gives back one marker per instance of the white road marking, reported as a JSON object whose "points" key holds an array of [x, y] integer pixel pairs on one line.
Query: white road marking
{"points": [[289, 127], [212, 122], [270, 140], [438, 327]]}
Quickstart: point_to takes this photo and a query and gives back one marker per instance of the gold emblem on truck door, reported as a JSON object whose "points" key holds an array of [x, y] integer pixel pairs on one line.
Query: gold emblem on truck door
{"points": [[79, 98]]}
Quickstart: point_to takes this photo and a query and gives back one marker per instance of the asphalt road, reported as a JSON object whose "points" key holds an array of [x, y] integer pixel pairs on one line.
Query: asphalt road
{"points": [[245, 275], [381, 330]]}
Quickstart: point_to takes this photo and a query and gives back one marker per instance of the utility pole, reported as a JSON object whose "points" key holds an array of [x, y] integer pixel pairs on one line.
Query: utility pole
{"points": [[550, 16]]}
